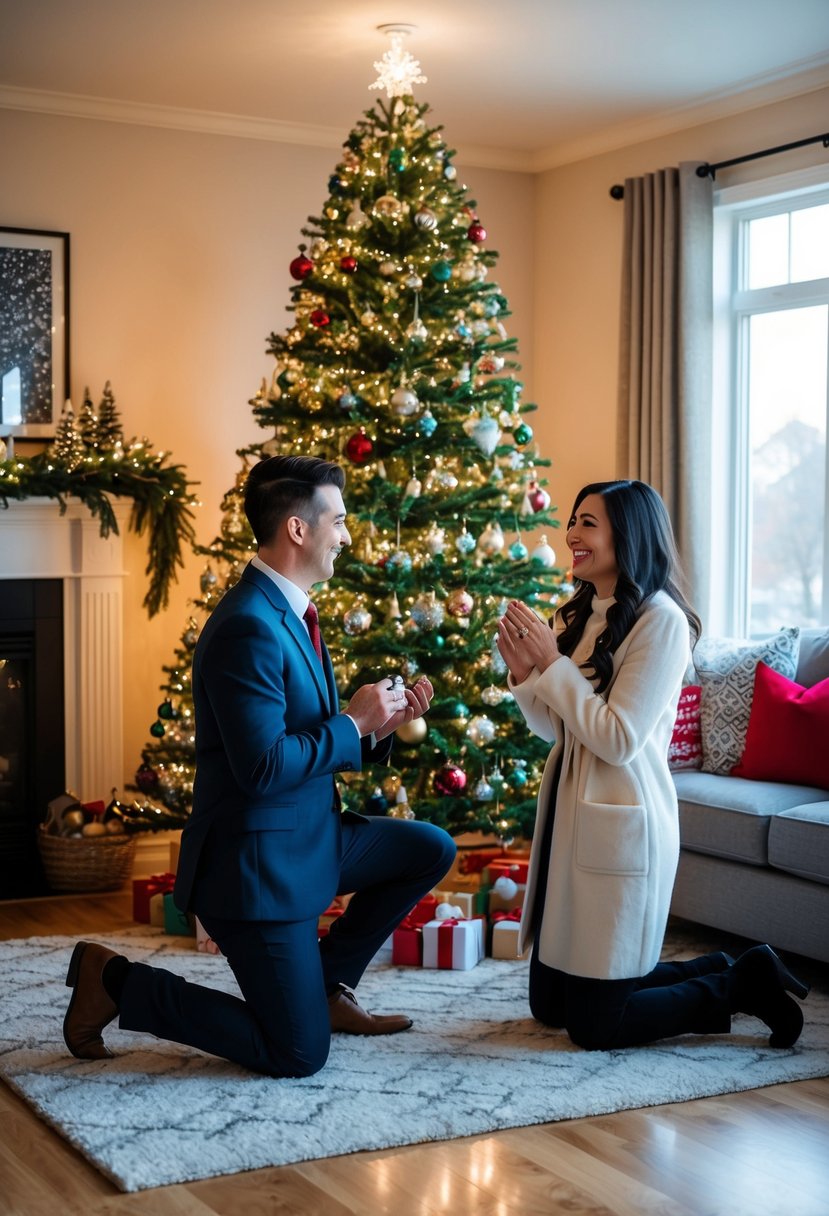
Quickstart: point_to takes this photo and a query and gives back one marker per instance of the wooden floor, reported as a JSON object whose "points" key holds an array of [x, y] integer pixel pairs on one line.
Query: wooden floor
{"points": [[753, 1154]]}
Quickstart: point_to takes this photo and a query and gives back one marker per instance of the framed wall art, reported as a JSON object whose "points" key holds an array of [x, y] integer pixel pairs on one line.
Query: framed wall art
{"points": [[34, 331]]}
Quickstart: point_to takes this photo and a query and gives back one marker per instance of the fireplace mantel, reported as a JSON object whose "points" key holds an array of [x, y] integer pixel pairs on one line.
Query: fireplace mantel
{"points": [[37, 541]]}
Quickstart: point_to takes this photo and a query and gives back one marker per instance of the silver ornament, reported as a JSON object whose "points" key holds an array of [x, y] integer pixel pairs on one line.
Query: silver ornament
{"points": [[492, 695], [357, 620], [543, 555], [427, 612], [404, 402], [481, 729], [483, 791], [426, 219], [491, 540], [435, 539], [486, 434]]}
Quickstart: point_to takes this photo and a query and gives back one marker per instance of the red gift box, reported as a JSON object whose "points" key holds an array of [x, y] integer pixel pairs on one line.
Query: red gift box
{"points": [[424, 910], [327, 919], [507, 867], [143, 890], [407, 944]]}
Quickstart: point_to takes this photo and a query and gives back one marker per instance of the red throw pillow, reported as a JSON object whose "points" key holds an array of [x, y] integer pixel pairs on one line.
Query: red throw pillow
{"points": [[685, 748], [787, 732]]}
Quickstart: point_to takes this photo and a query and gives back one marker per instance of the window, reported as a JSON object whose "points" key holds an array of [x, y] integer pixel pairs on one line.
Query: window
{"points": [[770, 543]]}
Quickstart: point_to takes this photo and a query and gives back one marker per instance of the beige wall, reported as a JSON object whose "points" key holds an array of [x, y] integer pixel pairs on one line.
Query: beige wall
{"points": [[577, 253], [180, 245]]}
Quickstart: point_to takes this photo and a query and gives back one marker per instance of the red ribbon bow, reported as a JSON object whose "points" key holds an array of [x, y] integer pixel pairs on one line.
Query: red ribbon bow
{"points": [[514, 915], [161, 884]]}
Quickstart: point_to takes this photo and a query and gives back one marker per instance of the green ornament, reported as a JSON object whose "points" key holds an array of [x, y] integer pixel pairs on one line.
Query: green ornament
{"points": [[166, 711], [157, 730], [440, 641], [459, 710], [441, 271], [522, 434], [397, 159]]}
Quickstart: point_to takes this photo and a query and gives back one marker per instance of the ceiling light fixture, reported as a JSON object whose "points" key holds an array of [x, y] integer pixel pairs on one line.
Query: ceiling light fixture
{"points": [[397, 70]]}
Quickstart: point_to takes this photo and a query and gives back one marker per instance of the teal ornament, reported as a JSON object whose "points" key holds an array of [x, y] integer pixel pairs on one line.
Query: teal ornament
{"points": [[347, 400], [459, 710], [522, 434], [518, 551], [166, 711], [440, 641], [377, 803], [463, 330], [450, 172], [441, 271], [157, 730], [496, 779], [465, 542], [517, 779], [397, 159], [492, 306], [428, 424]]}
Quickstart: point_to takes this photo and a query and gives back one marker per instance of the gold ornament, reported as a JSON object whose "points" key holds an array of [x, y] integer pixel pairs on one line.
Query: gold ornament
{"points": [[391, 785], [412, 732]]}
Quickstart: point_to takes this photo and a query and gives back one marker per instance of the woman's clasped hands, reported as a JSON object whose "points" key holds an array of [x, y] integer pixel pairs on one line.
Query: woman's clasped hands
{"points": [[525, 641]]}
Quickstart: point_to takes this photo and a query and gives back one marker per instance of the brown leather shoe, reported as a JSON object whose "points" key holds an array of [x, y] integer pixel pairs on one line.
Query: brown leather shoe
{"points": [[91, 1008], [350, 1018]]}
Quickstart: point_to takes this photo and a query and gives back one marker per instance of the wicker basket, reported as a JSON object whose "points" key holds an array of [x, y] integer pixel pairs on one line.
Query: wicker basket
{"points": [[86, 863]]}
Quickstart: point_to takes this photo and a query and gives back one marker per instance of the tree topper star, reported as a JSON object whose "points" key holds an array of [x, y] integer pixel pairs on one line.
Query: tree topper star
{"points": [[397, 70]]}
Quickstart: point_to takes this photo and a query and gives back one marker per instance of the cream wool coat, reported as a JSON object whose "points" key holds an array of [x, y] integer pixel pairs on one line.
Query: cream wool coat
{"points": [[616, 832]]}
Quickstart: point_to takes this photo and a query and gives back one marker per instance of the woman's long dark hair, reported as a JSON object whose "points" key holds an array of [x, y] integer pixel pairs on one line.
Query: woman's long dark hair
{"points": [[647, 561]]}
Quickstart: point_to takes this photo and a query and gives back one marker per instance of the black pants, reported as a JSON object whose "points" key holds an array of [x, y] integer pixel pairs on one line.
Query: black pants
{"points": [[690, 997]]}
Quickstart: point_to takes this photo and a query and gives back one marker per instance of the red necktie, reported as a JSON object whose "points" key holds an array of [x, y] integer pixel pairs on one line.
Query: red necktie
{"points": [[312, 620]]}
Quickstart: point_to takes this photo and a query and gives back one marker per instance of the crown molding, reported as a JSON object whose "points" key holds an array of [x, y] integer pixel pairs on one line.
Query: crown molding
{"points": [[748, 95]]}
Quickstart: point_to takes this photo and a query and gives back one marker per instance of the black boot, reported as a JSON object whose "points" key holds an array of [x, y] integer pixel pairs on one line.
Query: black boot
{"points": [[759, 985]]}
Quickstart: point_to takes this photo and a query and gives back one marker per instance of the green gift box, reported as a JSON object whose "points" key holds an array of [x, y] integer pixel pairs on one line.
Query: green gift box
{"points": [[180, 924]]}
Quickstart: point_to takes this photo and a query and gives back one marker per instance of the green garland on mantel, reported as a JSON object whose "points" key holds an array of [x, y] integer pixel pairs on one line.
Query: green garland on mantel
{"points": [[90, 461]]}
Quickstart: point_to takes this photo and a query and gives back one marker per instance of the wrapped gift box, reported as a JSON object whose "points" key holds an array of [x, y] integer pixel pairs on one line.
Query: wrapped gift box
{"points": [[180, 924], [456, 945], [465, 900], [505, 928], [515, 868], [501, 903], [328, 917], [157, 916], [424, 910], [407, 944], [143, 890]]}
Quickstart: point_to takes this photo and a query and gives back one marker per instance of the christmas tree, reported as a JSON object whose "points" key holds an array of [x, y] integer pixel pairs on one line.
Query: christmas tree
{"points": [[398, 366]]}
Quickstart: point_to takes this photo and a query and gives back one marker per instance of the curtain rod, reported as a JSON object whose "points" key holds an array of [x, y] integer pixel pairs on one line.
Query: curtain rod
{"points": [[706, 170]]}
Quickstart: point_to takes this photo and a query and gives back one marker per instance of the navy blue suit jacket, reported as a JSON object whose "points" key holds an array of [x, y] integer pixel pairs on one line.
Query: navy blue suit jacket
{"points": [[263, 841]]}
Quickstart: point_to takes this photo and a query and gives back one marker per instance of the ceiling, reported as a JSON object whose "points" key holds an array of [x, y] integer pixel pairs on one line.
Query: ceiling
{"points": [[516, 83]]}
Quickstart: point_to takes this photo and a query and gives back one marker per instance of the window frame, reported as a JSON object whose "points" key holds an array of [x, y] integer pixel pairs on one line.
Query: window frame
{"points": [[734, 305]]}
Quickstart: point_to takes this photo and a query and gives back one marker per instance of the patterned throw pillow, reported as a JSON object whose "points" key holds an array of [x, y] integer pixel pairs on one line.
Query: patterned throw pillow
{"points": [[685, 748], [725, 670]]}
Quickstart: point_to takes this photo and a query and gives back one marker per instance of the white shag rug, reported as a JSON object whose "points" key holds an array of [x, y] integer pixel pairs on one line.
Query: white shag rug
{"points": [[474, 1061]]}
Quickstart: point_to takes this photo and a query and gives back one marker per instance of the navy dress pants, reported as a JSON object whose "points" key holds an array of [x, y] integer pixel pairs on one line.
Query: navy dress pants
{"points": [[281, 1026]]}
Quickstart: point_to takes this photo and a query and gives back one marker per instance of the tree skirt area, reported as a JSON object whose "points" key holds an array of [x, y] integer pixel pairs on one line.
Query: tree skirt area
{"points": [[474, 1062]]}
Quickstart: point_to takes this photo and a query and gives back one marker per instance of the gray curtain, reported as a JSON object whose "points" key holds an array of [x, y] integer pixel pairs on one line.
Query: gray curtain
{"points": [[664, 423]]}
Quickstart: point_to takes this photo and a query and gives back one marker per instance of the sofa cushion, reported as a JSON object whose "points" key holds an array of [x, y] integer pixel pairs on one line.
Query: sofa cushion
{"points": [[725, 670], [813, 659], [729, 816], [799, 842], [787, 732], [685, 748]]}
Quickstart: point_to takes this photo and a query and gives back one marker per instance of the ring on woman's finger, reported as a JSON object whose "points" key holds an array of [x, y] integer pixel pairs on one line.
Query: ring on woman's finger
{"points": [[523, 631]]}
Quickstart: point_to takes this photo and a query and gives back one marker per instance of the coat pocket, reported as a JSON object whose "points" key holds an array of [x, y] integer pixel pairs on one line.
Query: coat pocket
{"points": [[611, 839]]}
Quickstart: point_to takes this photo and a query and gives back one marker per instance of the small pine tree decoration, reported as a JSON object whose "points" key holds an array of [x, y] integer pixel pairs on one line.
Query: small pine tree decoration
{"points": [[398, 366], [68, 450]]}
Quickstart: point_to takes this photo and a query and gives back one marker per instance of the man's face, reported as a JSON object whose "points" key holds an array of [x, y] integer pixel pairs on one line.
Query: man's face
{"points": [[325, 539]]}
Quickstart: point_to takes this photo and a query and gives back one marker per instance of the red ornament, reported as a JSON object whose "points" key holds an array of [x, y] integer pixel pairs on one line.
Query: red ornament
{"points": [[146, 779], [538, 499], [476, 232], [449, 780], [359, 447], [348, 264], [301, 267], [319, 318]]}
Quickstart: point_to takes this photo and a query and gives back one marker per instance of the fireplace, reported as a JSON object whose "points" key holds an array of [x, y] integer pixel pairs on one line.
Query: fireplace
{"points": [[32, 733], [61, 685]]}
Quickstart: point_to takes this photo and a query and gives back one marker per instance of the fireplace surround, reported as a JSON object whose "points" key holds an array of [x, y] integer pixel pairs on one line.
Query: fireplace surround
{"points": [[84, 572]]}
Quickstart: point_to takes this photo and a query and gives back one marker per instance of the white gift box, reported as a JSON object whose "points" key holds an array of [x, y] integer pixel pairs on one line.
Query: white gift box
{"points": [[457, 945]]}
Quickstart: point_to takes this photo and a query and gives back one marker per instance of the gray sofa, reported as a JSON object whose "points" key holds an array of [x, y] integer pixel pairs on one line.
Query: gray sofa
{"points": [[754, 857]]}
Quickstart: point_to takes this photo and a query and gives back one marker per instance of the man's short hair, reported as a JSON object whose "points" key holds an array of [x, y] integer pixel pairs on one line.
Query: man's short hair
{"points": [[282, 486]]}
